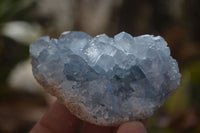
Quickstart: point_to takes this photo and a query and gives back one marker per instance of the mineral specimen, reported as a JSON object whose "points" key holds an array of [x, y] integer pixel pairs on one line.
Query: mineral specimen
{"points": [[103, 80]]}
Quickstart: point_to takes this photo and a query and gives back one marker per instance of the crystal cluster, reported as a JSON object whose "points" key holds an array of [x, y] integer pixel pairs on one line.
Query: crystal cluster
{"points": [[103, 80]]}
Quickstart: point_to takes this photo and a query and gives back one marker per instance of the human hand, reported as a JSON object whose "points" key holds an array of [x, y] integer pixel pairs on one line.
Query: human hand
{"points": [[59, 120]]}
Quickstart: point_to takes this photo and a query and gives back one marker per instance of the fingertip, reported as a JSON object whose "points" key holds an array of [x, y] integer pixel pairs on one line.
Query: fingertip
{"points": [[57, 119], [132, 127]]}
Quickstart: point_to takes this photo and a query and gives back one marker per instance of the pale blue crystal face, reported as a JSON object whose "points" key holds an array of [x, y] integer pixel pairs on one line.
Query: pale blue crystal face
{"points": [[115, 79]]}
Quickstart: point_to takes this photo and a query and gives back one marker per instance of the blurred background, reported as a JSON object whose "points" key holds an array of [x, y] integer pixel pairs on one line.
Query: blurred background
{"points": [[22, 100]]}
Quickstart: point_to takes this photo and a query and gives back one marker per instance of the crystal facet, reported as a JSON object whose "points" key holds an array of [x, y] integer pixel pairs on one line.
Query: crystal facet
{"points": [[103, 80]]}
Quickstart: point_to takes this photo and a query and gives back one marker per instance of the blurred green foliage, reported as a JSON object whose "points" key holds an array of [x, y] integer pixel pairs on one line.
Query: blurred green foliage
{"points": [[15, 10], [11, 52], [194, 85]]}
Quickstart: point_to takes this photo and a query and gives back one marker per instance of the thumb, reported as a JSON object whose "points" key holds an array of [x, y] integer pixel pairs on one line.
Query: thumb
{"points": [[132, 127]]}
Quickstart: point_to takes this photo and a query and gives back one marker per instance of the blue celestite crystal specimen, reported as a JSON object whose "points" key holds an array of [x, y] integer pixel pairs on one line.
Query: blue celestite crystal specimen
{"points": [[103, 80]]}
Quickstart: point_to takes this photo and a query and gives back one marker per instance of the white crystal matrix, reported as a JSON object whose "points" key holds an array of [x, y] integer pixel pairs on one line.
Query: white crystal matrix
{"points": [[103, 80]]}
